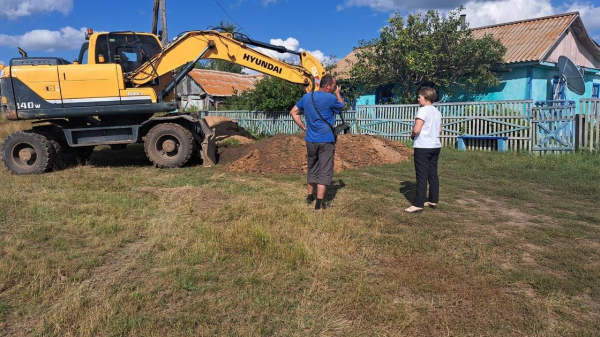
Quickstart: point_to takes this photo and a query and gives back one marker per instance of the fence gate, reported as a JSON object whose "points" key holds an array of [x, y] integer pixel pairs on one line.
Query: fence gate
{"points": [[554, 126]]}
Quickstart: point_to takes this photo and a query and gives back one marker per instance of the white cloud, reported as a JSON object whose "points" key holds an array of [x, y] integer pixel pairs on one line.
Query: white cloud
{"points": [[268, 2], [13, 9], [46, 40], [484, 13], [590, 14], [292, 44], [489, 12], [392, 5], [289, 43]]}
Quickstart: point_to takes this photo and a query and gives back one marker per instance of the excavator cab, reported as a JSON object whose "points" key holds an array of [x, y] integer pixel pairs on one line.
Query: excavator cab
{"points": [[128, 49], [112, 94]]}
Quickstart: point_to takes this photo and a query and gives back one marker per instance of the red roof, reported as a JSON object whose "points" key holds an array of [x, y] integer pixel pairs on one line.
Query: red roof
{"points": [[221, 83], [528, 40]]}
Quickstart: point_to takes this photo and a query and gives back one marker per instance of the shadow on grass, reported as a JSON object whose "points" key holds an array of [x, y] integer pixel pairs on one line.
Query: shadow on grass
{"points": [[132, 155], [408, 189], [333, 189]]}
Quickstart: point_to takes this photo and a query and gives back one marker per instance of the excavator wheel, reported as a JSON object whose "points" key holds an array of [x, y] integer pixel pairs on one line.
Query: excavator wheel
{"points": [[66, 156], [27, 152], [169, 145]]}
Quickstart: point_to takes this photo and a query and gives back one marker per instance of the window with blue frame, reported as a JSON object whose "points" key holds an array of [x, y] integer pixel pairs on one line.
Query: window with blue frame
{"points": [[384, 94], [596, 94]]}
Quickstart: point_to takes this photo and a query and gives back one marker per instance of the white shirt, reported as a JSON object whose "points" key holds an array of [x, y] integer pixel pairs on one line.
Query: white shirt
{"points": [[429, 138]]}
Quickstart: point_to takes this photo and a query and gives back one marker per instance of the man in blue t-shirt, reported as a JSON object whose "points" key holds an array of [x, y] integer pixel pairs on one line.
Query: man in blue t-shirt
{"points": [[320, 140]]}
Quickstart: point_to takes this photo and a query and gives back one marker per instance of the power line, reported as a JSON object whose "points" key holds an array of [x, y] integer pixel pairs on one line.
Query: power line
{"points": [[242, 28], [229, 16]]}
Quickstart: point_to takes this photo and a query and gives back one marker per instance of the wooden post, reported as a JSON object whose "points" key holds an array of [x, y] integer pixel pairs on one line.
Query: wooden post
{"points": [[163, 22], [155, 17]]}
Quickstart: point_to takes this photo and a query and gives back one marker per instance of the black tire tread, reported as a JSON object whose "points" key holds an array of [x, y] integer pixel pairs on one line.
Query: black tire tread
{"points": [[47, 155], [172, 127]]}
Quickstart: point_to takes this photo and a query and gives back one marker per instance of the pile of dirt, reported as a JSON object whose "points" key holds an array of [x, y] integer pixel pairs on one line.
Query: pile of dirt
{"points": [[287, 154], [226, 128]]}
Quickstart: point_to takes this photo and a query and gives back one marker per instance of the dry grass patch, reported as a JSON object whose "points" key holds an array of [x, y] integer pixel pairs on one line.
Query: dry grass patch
{"points": [[120, 248]]}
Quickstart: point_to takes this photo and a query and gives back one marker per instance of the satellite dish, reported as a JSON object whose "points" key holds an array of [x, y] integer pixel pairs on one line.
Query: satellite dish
{"points": [[569, 73]]}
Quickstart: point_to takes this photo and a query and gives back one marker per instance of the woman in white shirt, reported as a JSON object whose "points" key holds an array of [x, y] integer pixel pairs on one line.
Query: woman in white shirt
{"points": [[426, 135]]}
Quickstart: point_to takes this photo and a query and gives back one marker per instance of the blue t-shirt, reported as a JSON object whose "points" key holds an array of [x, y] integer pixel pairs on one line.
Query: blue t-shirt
{"points": [[316, 129]]}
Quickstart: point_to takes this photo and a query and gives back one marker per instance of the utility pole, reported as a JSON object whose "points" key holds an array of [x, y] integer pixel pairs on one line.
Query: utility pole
{"points": [[155, 17], [163, 22], [160, 4]]}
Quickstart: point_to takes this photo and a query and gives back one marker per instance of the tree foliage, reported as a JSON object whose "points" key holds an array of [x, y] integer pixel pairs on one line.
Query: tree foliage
{"points": [[427, 49], [270, 94]]}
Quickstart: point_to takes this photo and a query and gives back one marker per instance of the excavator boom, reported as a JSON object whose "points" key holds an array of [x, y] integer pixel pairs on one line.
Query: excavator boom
{"points": [[195, 45]]}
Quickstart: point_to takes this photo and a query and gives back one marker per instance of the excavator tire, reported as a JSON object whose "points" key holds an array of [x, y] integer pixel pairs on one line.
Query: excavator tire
{"points": [[169, 145], [66, 156], [27, 152]]}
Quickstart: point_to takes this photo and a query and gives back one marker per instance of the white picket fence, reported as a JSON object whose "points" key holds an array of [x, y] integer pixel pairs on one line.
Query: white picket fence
{"points": [[510, 119], [588, 124], [520, 121]]}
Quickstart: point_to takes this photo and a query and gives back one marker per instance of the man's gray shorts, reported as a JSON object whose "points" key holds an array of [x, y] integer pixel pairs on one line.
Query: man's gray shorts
{"points": [[320, 162]]}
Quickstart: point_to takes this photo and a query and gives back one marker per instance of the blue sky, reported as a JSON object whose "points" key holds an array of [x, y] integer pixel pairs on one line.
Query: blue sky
{"points": [[326, 28]]}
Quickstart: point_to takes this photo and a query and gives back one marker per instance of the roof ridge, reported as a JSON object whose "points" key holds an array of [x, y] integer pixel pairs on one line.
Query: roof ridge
{"points": [[528, 20]]}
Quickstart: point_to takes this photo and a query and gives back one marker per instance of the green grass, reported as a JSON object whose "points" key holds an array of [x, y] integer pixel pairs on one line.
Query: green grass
{"points": [[118, 247]]}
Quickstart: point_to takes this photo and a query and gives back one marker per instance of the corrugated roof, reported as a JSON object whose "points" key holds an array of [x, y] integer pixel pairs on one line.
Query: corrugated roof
{"points": [[221, 83], [528, 40], [343, 67], [525, 41]]}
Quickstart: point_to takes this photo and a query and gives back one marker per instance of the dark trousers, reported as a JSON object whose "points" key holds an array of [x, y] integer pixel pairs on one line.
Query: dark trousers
{"points": [[320, 159], [426, 161]]}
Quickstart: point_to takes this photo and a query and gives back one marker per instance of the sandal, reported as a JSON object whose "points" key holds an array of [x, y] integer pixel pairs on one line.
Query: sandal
{"points": [[430, 205], [413, 209]]}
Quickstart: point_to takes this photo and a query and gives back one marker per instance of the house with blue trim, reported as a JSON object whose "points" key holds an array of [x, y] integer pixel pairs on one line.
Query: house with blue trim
{"points": [[532, 50]]}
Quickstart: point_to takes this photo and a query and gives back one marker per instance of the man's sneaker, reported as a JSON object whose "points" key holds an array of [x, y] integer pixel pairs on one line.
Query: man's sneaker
{"points": [[310, 199]]}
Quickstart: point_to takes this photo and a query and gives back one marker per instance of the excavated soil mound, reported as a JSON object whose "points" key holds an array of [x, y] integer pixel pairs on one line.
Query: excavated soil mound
{"points": [[226, 128], [287, 154]]}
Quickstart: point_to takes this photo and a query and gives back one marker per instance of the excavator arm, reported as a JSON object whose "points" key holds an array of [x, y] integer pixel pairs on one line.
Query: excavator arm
{"points": [[193, 46]]}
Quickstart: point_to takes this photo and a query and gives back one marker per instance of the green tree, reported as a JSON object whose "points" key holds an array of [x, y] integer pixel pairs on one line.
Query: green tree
{"points": [[221, 65], [427, 49], [270, 94]]}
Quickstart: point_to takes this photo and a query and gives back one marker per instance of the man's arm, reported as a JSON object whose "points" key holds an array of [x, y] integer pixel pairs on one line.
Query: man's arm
{"points": [[339, 96], [295, 113]]}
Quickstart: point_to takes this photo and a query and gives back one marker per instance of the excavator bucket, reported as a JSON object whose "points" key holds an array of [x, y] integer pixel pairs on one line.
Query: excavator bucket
{"points": [[208, 151]]}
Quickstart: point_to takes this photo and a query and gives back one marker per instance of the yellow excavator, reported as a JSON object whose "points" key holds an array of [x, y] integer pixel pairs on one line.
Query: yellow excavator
{"points": [[121, 90]]}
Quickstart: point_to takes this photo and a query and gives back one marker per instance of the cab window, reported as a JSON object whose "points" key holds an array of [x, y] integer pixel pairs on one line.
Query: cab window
{"points": [[127, 49]]}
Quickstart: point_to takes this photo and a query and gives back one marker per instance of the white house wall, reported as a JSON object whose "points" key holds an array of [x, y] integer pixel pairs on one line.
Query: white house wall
{"points": [[570, 46]]}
